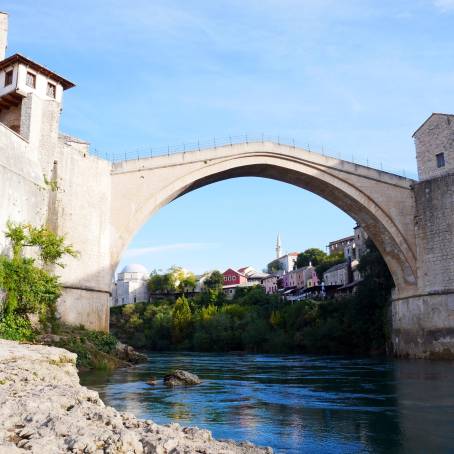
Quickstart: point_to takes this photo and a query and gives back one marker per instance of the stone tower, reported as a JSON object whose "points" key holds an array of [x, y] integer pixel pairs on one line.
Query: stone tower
{"points": [[434, 142], [31, 98], [423, 324], [278, 246]]}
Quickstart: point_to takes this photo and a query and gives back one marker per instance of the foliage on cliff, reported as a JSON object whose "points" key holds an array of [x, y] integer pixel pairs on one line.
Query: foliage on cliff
{"points": [[255, 321], [26, 285]]}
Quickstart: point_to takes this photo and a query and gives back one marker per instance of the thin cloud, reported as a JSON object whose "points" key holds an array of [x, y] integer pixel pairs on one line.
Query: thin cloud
{"points": [[444, 5], [138, 252]]}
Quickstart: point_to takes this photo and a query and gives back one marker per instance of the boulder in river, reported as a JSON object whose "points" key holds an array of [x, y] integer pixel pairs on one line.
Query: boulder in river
{"points": [[181, 377], [152, 381], [127, 353]]}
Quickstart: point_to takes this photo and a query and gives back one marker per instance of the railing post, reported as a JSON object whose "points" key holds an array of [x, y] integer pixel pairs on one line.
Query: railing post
{"points": [[214, 141], [230, 139]]}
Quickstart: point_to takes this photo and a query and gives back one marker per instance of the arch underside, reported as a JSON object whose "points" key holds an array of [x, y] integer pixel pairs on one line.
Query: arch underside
{"points": [[360, 206]]}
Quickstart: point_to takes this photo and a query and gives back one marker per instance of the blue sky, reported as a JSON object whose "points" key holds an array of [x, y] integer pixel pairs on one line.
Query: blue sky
{"points": [[354, 77]]}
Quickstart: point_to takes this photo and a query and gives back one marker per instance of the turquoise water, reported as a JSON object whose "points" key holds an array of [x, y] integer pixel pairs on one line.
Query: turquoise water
{"points": [[296, 403]]}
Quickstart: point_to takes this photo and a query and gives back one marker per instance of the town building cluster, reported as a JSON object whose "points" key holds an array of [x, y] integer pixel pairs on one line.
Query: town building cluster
{"points": [[283, 276]]}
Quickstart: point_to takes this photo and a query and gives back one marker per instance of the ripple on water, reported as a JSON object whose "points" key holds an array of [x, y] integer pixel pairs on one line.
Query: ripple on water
{"points": [[297, 403]]}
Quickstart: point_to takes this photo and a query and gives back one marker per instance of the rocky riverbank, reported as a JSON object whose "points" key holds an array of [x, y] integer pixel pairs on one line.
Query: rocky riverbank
{"points": [[43, 409], [94, 349]]}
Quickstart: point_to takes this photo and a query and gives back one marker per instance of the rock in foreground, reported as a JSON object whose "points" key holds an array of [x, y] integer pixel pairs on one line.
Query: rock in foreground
{"points": [[181, 377], [43, 409]]}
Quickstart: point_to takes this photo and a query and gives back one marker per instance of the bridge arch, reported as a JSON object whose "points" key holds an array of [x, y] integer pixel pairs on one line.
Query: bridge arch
{"points": [[381, 202]]}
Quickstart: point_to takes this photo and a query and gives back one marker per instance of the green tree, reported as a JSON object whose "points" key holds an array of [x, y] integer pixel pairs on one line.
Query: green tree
{"points": [[161, 283], [312, 255], [274, 266], [181, 320], [214, 281], [182, 280], [328, 262], [175, 280], [51, 247], [28, 287]]}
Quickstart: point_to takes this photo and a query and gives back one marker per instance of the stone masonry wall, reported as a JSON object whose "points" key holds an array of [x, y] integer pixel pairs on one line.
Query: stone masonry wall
{"points": [[11, 117], [434, 226], [78, 208], [423, 325], [23, 194]]}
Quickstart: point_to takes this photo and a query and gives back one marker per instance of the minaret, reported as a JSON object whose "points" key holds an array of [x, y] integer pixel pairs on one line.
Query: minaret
{"points": [[278, 246], [3, 34]]}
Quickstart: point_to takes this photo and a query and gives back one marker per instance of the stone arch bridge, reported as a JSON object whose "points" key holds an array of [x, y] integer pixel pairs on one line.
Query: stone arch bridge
{"points": [[100, 205], [381, 202]]}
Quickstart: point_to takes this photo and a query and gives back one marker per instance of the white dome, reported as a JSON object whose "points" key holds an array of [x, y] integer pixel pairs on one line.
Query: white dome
{"points": [[134, 268]]}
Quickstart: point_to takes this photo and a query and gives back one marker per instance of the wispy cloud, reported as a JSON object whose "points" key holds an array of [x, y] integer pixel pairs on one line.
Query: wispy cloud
{"points": [[138, 252], [444, 5]]}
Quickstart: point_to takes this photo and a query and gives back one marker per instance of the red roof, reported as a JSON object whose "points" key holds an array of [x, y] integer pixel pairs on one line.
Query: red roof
{"points": [[232, 271], [242, 270]]}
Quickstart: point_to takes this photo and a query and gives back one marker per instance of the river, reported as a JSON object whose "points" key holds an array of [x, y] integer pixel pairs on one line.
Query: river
{"points": [[296, 403]]}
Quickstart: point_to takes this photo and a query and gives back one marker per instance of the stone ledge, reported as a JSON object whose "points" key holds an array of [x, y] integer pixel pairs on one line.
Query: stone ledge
{"points": [[43, 409]]}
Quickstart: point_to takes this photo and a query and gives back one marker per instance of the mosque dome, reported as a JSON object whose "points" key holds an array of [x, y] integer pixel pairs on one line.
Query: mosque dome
{"points": [[134, 268]]}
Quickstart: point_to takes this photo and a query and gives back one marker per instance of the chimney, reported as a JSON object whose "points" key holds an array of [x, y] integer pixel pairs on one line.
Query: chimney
{"points": [[3, 34]]}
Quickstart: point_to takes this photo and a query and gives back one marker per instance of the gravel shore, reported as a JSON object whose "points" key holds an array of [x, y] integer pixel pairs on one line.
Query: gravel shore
{"points": [[44, 410]]}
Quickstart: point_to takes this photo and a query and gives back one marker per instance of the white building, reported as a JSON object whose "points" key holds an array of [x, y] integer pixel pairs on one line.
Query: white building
{"points": [[283, 263], [19, 79], [270, 284], [131, 285]]}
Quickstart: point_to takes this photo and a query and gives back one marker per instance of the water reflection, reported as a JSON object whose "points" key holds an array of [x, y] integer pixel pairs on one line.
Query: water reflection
{"points": [[297, 403]]}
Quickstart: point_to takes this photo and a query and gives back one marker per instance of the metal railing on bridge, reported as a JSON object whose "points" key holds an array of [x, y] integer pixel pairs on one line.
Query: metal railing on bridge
{"points": [[216, 142]]}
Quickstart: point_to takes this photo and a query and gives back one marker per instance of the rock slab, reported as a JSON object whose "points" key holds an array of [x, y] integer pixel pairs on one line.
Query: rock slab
{"points": [[44, 409], [181, 377]]}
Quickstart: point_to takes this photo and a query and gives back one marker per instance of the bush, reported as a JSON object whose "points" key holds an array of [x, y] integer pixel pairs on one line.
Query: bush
{"points": [[104, 342], [16, 328], [29, 288]]}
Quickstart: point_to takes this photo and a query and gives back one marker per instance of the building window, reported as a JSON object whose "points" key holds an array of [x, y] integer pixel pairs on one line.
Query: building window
{"points": [[51, 90], [31, 80], [440, 159], [8, 77]]}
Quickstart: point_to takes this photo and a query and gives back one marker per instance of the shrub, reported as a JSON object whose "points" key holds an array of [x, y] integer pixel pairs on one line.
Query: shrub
{"points": [[104, 342], [16, 328], [28, 286]]}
